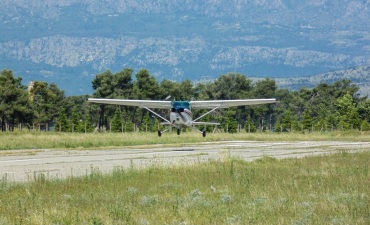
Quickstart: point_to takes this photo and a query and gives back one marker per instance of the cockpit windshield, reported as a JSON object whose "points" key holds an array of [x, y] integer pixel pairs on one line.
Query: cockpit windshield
{"points": [[181, 104]]}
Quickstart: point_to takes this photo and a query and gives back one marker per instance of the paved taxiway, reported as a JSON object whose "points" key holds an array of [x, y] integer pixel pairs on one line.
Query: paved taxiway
{"points": [[26, 165]]}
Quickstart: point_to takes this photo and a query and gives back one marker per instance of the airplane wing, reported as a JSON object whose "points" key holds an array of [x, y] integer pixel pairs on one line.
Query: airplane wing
{"points": [[229, 103], [128, 102]]}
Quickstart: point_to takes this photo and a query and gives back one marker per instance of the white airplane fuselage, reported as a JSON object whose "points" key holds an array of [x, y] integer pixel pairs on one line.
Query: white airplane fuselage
{"points": [[181, 116]]}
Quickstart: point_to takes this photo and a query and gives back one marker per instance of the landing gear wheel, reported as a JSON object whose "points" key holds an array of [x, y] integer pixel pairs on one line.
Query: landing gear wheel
{"points": [[204, 133], [159, 133], [178, 131]]}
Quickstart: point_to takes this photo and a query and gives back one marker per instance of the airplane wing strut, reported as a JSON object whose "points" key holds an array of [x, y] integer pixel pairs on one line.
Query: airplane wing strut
{"points": [[206, 114], [157, 114]]}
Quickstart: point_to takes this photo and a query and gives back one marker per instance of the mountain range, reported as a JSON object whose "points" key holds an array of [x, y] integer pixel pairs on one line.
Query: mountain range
{"points": [[359, 76], [68, 42]]}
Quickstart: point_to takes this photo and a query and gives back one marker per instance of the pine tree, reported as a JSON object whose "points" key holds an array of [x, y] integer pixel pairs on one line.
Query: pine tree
{"points": [[129, 126], [365, 125], [306, 120], [148, 124], [75, 120], [347, 114], [116, 123], [287, 120], [278, 126], [231, 126], [63, 124], [14, 104], [249, 126], [85, 125]]}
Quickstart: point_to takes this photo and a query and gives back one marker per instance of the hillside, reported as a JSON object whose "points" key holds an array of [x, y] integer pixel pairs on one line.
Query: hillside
{"points": [[359, 76], [69, 41]]}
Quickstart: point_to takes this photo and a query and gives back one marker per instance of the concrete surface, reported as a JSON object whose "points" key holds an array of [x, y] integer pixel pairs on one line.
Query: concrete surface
{"points": [[26, 165]]}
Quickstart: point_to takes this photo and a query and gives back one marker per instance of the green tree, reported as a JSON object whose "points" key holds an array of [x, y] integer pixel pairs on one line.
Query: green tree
{"points": [[145, 87], [295, 124], [63, 123], [278, 126], [167, 88], [363, 109], [287, 120], [85, 126], [14, 105], [129, 126], [365, 125], [186, 90], [249, 126], [321, 125], [104, 88], [109, 85], [306, 120], [47, 102], [148, 123], [232, 86], [75, 120], [347, 113], [117, 121], [123, 84], [265, 88], [230, 124]]}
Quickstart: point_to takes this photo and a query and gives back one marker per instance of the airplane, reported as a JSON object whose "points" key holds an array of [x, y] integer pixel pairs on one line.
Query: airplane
{"points": [[180, 111]]}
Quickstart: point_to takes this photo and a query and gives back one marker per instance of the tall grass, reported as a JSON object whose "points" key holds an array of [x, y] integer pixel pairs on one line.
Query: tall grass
{"points": [[36, 140], [330, 189]]}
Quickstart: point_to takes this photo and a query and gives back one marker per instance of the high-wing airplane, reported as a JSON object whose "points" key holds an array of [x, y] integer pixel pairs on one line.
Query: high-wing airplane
{"points": [[180, 111]]}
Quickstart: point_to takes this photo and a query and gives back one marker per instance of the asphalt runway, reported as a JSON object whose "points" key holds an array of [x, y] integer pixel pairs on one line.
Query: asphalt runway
{"points": [[28, 165]]}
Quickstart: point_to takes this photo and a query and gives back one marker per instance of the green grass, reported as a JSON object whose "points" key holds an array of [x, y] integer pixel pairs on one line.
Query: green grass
{"points": [[42, 140], [331, 189]]}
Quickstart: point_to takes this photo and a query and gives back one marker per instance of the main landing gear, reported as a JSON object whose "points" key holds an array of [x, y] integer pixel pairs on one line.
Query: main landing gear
{"points": [[204, 133], [161, 132]]}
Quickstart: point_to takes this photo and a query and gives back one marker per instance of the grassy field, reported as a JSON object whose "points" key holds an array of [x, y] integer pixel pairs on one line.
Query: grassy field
{"points": [[330, 189], [37, 140]]}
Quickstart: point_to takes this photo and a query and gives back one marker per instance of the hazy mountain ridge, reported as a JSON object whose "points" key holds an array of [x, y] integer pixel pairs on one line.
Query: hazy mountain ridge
{"points": [[63, 51], [182, 39], [281, 10], [359, 76]]}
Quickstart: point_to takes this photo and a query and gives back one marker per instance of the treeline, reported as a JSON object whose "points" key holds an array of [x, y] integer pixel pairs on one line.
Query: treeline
{"points": [[44, 106]]}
